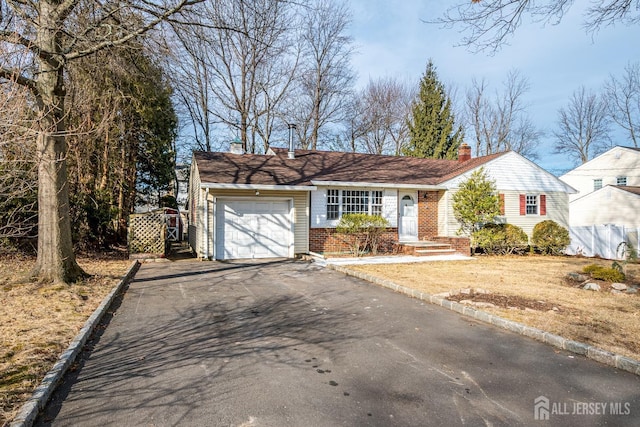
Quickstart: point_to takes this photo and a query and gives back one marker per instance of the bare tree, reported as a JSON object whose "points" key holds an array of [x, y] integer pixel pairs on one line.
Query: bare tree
{"points": [[623, 98], [249, 64], [583, 126], [489, 23], [44, 37], [326, 78], [18, 169], [500, 122], [191, 77], [385, 106]]}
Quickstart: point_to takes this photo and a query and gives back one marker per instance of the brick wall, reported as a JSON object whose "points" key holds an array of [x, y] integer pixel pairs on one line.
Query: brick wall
{"points": [[461, 245], [428, 214], [327, 240]]}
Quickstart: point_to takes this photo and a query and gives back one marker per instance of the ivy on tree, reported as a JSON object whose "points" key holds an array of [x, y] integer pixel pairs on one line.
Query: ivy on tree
{"points": [[433, 132]]}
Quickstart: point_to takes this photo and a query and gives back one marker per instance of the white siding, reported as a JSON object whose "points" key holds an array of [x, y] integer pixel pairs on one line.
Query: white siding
{"points": [[606, 206], [319, 207], [619, 161], [557, 204], [514, 175], [511, 171], [194, 208], [390, 207]]}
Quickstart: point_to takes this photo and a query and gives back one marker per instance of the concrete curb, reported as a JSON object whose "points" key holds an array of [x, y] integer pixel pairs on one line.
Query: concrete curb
{"points": [[36, 403], [620, 362]]}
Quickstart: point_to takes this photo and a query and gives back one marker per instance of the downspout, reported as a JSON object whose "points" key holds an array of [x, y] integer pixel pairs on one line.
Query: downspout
{"points": [[206, 223]]}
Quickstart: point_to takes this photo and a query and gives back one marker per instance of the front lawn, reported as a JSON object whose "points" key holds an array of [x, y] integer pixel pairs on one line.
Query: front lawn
{"points": [[534, 290]]}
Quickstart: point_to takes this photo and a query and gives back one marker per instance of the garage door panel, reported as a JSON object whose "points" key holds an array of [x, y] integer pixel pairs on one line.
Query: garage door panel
{"points": [[253, 229]]}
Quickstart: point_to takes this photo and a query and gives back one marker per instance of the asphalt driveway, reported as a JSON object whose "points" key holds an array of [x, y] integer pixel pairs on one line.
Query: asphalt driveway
{"points": [[289, 343]]}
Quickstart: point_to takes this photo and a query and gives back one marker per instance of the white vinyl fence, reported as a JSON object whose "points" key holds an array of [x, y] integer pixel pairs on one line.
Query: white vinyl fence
{"points": [[602, 241]]}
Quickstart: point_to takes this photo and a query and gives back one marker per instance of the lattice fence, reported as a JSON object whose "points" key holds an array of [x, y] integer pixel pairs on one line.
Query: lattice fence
{"points": [[147, 233]]}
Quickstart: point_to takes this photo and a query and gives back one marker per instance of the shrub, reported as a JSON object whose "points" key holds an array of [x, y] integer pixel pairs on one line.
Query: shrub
{"points": [[501, 239], [549, 237], [609, 274], [364, 230]]}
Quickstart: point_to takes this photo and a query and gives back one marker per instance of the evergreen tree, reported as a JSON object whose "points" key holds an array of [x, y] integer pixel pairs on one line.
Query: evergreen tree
{"points": [[476, 202], [433, 132]]}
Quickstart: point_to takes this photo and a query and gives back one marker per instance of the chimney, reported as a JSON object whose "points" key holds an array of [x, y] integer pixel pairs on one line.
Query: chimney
{"points": [[236, 147], [292, 128], [464, 152]]}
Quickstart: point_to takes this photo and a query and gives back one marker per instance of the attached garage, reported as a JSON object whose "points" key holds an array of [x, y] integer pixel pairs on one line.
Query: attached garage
{"points": [[254, 228]]}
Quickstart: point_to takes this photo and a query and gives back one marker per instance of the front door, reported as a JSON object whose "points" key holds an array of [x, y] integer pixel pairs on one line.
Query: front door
{"points": [[408, 217]]}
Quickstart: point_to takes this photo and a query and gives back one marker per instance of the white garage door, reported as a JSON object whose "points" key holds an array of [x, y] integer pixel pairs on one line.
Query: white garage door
{"points": [[253, 229]]}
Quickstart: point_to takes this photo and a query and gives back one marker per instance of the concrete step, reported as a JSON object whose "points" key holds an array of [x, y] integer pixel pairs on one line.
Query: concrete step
{"points": [[426, 245], [433, 252]]}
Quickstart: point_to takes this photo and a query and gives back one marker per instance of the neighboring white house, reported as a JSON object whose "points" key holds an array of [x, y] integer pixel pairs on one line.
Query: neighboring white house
{"points": [[619, 205], [618, 166], [284, 203], [606, 209]]}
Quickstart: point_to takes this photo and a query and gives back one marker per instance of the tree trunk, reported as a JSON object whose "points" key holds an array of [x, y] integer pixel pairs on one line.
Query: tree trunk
{"points": [[56, 261]]}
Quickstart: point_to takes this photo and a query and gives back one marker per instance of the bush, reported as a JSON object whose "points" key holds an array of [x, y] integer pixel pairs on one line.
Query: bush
{"points": [[549, 237], [609, 274], [364, 230], [501, 239]]}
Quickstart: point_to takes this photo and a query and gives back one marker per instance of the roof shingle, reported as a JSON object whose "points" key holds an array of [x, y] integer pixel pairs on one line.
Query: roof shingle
{"points": [[312, 165]]}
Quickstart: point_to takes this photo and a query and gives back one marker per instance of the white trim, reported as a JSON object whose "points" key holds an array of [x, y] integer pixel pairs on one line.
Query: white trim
{"points": [[219, 186], [377, 185], [206, 223]]}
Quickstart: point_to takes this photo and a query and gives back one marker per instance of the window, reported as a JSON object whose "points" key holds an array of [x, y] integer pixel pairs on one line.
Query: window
{"points": [[376, 203], [341, 202], [355, 201], [621, 180], [597, 184], [532, 205], [333, 204]]}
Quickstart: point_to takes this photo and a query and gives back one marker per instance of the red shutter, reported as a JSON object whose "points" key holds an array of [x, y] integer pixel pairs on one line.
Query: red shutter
{"points": [[543, 204], [501, 196], [523, 204]]}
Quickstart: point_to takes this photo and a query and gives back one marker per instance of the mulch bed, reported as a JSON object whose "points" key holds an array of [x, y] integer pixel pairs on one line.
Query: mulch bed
{"points": [[506, 301]]}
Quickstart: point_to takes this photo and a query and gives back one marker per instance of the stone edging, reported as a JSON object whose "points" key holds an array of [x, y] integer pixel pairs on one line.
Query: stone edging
{"points": [[620, 362], [36, 403]]}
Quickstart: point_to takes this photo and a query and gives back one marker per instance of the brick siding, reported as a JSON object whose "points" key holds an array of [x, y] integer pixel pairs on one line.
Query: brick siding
{"points": [[428, 214], [327, 240]]}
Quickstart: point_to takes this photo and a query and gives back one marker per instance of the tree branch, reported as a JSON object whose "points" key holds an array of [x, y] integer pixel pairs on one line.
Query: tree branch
{"points": [[14, 37], [14, 75], [159, 17]]}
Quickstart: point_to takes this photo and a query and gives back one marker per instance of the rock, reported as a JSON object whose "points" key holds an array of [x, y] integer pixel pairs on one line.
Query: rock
{"points": [[465, 291], [466, 301], [483, 304], [591, 287], [619, 286], [577, 277], [616, 292], [632, 290]]}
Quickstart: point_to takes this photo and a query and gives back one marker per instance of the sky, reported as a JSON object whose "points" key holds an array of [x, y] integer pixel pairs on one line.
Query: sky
{"points": [[392, 39]]}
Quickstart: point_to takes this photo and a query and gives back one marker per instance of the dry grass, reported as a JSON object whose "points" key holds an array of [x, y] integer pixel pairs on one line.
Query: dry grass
{"points": [[37, 322], [599, 318]]}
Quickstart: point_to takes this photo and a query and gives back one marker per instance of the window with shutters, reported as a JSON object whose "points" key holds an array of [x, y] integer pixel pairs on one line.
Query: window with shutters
{"points": [[533, 204]]}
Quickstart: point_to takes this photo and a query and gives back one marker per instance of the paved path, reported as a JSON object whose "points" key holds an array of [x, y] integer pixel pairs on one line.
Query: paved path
{"points": [[293, 344]]}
